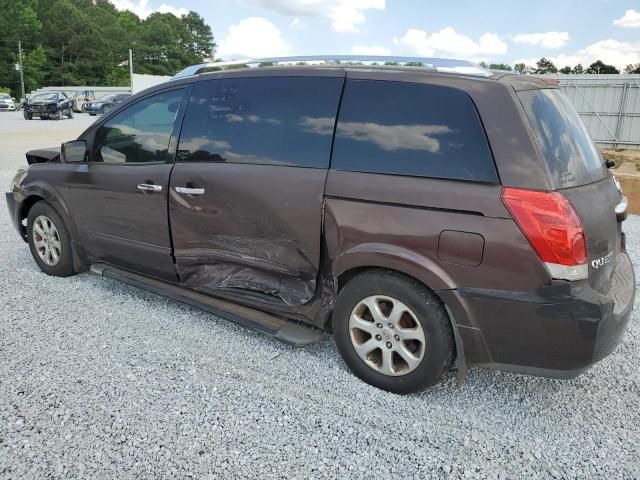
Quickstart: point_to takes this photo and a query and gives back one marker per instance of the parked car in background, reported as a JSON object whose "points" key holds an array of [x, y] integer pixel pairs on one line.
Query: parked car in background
{"points": [[54, 105], [80, 98], [422, 216], [104, 104], [6, 103]]}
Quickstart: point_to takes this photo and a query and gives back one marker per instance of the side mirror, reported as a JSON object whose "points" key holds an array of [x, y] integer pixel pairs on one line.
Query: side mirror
{"points": [[610, 163], [74, 151]]}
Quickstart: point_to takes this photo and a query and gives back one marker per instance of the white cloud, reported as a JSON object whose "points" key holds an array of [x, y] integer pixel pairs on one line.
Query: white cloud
{"points": [[253, 37], [631, 19], [344, 15], [369, 50], [142, 9], [296, 23], [547, 39], [448, 41], [609, 51]]}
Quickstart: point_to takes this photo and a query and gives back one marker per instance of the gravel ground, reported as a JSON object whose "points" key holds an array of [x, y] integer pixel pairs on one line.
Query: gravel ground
{"points": [[101, 380]]}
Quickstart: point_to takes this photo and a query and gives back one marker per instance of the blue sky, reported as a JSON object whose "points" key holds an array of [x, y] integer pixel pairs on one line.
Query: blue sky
{"points": [[567, 31]]}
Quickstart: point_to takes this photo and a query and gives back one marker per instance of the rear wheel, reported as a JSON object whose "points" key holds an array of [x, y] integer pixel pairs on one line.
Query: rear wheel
{"points": [[393, 332], [49, 241]]}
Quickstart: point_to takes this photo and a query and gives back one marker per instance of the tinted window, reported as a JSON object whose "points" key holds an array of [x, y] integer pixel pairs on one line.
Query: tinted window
{"points": [[141, 132], [410, 129], [572, 156], [260, 120]]}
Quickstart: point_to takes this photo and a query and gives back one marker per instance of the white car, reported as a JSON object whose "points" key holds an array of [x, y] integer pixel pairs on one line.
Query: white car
{"points": [[6, 102]]}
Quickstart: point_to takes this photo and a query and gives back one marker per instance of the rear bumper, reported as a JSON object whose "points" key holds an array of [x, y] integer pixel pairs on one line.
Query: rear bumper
{"points": [[557, 331]]}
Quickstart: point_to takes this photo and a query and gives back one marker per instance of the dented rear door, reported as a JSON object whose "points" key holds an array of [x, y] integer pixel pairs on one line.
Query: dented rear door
{"points": [[246, 192]]}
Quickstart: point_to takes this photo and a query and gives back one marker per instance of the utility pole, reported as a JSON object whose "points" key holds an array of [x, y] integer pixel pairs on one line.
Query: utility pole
{"points": [[21, 69], [131, 69]]}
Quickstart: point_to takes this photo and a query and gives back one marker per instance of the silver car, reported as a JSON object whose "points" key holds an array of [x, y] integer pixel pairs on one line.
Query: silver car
{"points": [[6, 102]]}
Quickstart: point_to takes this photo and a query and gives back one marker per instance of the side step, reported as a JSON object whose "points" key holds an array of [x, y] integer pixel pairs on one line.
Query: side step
{"points": [[289, 332]]}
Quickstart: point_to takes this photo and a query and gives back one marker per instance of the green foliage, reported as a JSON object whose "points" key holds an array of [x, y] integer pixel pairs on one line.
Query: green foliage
{"points": [[565, 70], [5, 90], [545, 65], [86, 42], [500, 66], [578, 69], [632, 68], [600, 67], [521, 68]]}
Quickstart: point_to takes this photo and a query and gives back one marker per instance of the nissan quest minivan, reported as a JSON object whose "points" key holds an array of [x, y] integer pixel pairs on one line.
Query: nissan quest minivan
{"points": [[424, 215]]}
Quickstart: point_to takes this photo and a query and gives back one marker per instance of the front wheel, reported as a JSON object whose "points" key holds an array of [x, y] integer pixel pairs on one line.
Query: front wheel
{"points": [[393, 332], [49, 241]]}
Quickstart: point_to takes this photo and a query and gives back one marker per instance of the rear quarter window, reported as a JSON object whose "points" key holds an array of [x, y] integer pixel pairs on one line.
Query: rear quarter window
{"points": [[570, 153], [410, 129]]}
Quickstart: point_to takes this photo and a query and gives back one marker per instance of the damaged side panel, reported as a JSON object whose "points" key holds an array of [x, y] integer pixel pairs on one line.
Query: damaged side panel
{"points": [[256, 228]]}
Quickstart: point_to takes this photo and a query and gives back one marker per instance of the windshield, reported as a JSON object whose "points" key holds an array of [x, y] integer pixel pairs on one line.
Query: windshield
{"points": [[4, 96], [571, 154], [44, 97]]}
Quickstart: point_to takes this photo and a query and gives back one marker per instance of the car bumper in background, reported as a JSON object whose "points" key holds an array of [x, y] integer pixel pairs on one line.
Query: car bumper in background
{"points": [[558, 331]]}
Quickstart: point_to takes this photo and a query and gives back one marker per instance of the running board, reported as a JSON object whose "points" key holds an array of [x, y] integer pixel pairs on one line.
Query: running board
{"points": [[291, 333]]}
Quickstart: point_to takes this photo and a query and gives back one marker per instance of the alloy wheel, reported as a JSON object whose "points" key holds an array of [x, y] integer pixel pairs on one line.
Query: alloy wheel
{"points": [[386, 335], [47, 240]]}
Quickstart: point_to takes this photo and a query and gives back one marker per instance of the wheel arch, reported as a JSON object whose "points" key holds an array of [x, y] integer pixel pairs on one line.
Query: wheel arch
{"points": [[459, 355], [34, 194]]}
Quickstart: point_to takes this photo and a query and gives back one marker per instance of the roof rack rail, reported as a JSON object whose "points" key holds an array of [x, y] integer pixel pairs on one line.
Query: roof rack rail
{"points": [[443, 65]]}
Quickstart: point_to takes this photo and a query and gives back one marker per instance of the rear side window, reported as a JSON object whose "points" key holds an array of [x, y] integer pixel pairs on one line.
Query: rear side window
{"points": [[569, 151], [260, 120], [411, 129]]}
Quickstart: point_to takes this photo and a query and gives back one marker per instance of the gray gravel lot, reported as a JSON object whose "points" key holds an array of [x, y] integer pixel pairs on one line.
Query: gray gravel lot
{"points": [[101, 380]]}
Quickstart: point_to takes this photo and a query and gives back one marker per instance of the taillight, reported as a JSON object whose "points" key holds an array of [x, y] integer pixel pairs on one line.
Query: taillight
{"points": [[553, 228]]}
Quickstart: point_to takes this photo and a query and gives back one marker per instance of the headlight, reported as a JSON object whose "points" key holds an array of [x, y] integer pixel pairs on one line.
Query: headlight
{"points": [[18, 178]]}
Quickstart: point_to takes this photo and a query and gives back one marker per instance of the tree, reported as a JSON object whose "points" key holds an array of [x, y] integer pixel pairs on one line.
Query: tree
{"points": [[632, 68], [598, 67], [87, 42], [521, 68], [544, 65], [578, 69], [500, 66], [565, 70]]}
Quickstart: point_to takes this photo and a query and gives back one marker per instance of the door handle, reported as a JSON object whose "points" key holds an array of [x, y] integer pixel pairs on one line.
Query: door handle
{"points": [[190, 190], [149, 187]]}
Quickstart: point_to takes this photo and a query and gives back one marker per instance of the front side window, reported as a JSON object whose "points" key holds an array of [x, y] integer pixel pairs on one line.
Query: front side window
{"points": [[260, 120], [410, 129], [141, 132]]}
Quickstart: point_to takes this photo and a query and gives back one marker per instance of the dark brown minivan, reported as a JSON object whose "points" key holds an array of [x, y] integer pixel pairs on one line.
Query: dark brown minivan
{"points": [[422, 214]]}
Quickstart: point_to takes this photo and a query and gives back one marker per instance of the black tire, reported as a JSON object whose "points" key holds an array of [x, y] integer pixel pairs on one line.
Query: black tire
{"points": [[64, 266], [439, 348]]}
